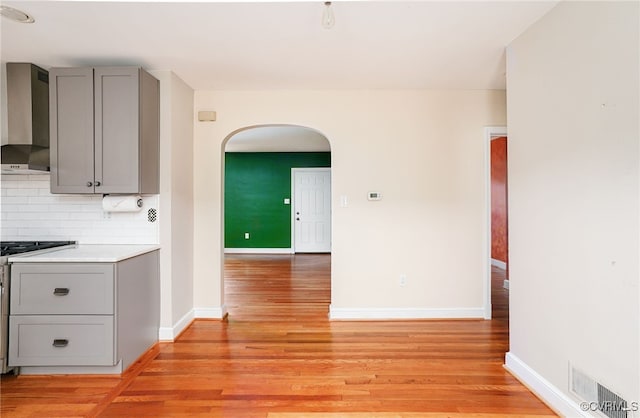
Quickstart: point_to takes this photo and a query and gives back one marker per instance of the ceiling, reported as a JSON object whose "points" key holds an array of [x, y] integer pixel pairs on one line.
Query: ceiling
{"points": [[280, 45]]}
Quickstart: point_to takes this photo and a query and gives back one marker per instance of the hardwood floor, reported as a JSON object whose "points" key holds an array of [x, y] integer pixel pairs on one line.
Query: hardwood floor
{"points": [[499, 295], [277, 356]]}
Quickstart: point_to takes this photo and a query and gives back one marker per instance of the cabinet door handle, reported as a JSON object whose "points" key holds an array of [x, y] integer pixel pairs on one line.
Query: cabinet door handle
{"points": [[60, 342], [98, 184], [89, 184], [61, 291]]}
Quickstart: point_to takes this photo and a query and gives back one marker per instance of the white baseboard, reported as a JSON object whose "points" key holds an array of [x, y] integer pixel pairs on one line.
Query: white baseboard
{"points": [[170, 333], [551, 395], [404, 313], [258, 251], [505, 284], [500, 264], [211, 313]]}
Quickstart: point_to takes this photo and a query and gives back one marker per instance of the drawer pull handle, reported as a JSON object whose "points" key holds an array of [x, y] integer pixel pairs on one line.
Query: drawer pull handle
{"points": [[60, 343], [61, 291]]}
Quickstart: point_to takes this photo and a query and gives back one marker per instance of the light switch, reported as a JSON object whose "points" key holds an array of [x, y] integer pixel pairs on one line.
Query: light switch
{"points": [[343, 201], [287, 201], [374, 196]]}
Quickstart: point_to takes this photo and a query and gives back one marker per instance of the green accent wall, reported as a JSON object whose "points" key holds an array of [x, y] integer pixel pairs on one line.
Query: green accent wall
{"points": [[255, 186]]}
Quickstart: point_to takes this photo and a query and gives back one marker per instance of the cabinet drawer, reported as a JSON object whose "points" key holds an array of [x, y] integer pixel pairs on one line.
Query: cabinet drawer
{"points": [[81, 289], [40, 340]]}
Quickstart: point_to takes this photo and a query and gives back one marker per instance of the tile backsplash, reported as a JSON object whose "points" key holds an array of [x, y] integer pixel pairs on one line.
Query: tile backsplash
{"points": [[31, 212]]}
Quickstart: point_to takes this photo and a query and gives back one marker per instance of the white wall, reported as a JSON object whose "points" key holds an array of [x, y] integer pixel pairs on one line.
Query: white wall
{"points": [[30, 212], [176, 200], [423, 150], [574, 210]]}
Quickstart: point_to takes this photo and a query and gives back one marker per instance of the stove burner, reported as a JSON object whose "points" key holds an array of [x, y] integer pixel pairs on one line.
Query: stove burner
{"points": [[19, 247]]}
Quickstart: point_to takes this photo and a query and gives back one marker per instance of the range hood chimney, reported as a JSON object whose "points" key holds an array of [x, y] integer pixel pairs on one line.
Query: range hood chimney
{"points": [[28, 120]]}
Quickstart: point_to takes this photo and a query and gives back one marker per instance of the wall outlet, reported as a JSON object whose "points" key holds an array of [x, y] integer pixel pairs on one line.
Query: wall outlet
{"points": [[403, 280], [246, 235]]}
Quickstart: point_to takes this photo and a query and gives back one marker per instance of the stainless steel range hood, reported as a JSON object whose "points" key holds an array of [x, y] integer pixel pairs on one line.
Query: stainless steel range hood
{"points": [[28, 120]]}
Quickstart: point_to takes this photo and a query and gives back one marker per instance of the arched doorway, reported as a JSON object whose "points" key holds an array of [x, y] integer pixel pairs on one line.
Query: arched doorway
{"points": [[275, 177]]}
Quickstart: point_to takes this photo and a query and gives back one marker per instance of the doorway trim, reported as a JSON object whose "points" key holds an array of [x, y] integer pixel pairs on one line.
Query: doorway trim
{"points": [[490, 132]]}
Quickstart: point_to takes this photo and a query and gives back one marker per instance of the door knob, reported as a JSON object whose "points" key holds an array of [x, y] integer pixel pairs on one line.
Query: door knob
{"points": [[89, 184], [98, 184], [297, 219]]}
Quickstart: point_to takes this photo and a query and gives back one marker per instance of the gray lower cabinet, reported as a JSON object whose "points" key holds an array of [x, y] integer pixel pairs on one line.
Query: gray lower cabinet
{"points": [[104, 130], [63, 340], [83, 317]]}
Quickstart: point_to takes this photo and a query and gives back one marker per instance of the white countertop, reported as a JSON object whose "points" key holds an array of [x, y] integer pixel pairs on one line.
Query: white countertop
{"points": [[85, 253]]}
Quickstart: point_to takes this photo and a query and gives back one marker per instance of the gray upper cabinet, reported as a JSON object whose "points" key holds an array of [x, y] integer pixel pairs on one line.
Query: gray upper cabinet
{"points": [[104, 130], [71, 134]]}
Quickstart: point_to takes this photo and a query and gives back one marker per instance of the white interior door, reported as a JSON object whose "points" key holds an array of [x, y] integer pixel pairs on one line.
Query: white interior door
{"points": [[311, 210]]}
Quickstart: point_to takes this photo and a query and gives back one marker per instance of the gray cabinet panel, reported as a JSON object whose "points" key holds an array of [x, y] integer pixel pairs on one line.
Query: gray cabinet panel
{"points": [[71, 129], [149, 133], [114, 125], [61, 340], [80, 289], [116, 129], [138, 299]]}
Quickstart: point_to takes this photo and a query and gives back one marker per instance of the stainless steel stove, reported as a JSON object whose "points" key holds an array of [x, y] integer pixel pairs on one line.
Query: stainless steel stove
{"points": [[18, 247], [9, 248]]}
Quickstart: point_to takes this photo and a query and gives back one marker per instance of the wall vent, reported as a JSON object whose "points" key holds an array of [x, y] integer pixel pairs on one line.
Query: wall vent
{"points": [[597, 397], [152, 215], [582, 385], [610, 404]]}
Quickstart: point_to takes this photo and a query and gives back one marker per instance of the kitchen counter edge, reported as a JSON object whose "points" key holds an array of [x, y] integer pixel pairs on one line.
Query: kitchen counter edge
{"points": [[86, 253]]}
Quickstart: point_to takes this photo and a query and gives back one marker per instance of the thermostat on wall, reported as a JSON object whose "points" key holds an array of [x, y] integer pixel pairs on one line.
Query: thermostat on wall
{"points": [[374, 196]]}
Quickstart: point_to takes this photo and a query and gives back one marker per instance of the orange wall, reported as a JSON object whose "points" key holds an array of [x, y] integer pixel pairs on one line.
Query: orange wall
{"points": [[499, 225]]}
